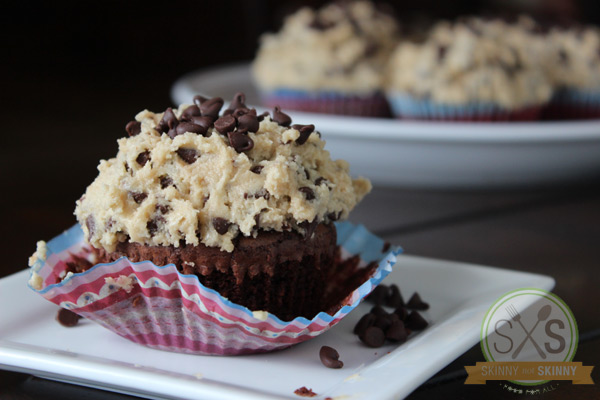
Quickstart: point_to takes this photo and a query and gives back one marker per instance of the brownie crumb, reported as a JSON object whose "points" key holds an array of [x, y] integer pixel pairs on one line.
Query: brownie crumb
{"points": [[304, 392]]}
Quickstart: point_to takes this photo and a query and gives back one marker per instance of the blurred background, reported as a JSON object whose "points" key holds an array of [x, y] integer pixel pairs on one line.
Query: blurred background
{"points": [[76, 72]]}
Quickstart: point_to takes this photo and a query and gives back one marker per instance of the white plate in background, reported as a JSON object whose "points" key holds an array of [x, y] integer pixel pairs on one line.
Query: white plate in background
{"points": [[433, 154], [459, 294]]}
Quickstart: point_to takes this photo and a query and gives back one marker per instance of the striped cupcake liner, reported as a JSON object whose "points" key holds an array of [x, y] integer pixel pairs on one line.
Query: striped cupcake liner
{"points": [[371, 105], [408, 107], [163, 309], [570, 103]]}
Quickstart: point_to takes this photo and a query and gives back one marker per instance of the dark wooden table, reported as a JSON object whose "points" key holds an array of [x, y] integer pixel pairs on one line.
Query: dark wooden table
{"points": [[77, 74]]}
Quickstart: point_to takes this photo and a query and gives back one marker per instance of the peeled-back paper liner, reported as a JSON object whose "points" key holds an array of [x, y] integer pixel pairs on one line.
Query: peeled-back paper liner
{"points": [[164, 309]]}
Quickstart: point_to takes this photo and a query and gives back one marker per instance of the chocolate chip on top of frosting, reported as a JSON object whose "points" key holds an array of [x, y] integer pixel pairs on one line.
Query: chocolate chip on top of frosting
{"points": [[194, 175]]}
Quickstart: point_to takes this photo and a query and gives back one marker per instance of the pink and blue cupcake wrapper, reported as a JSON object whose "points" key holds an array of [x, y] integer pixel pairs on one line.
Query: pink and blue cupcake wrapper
{"points": [[409, 107], [328, 102], [159, 307], [572, 103]]}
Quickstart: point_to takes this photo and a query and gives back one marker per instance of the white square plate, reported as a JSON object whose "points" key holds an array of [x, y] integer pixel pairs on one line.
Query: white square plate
{"points": [[459, 294]]}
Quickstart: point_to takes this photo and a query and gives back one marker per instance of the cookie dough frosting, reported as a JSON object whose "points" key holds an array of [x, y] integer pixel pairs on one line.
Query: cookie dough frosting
{"points": [[474, 61], [574, 57], [191, 176], [341, 47]]}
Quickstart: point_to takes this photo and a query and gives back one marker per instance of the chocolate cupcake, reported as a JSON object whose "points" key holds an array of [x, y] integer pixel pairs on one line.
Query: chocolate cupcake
{"points": [[329, 60], [245, 202], [212, 233]]}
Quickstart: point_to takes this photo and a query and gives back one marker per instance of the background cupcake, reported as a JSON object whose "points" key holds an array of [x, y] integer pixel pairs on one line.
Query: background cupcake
{"points": [[574, 68], [472, 69], [330, 60]]}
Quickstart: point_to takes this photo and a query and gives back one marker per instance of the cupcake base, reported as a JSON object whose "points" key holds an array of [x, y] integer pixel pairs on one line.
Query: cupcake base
{"points": [[372, 105], [161, 308], [279, 272]]}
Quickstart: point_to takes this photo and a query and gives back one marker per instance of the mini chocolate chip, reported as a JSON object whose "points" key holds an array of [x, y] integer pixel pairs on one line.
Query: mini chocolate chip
{"points": [[371, 49], [366, 321], [373, 337], [225, 124], [238, 112], [330, 357], [320, 25], [162, 208], [248, 121], [309, 228], [563, 57], [256, 169], [133, 128], [394, 298], [415, 321], [143, 158], [402, 313], [152, 227], [239, 101], [280, 117], [378, 311], [67, 318], [91, 225], [334, 216], [205, 122], [165, 181], [386, 247], [308, 192], [221, 225], [187, 155], [378, 294], [263, 116], [306, 173], [167, 122], [415, 303], [305, 131], [198, 100], [442, 50], [184, 127], [383, 321], [239, 141], [211, 107], [191, 111], [138, 197], [396, 332], [320, 180], [263, 193]]}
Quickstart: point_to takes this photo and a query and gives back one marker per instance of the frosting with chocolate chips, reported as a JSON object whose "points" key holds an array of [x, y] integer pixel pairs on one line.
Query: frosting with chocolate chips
{"points": [[193, 176], [340, 47]]}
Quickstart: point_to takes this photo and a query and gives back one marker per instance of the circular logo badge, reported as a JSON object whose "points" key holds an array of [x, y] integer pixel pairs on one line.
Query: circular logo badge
{"points": [[529, 325]]}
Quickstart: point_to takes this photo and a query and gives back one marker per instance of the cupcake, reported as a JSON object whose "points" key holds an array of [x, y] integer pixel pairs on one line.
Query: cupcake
{"points": [[328, 60], [473, 69], [213, 233], [573, 66]]}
